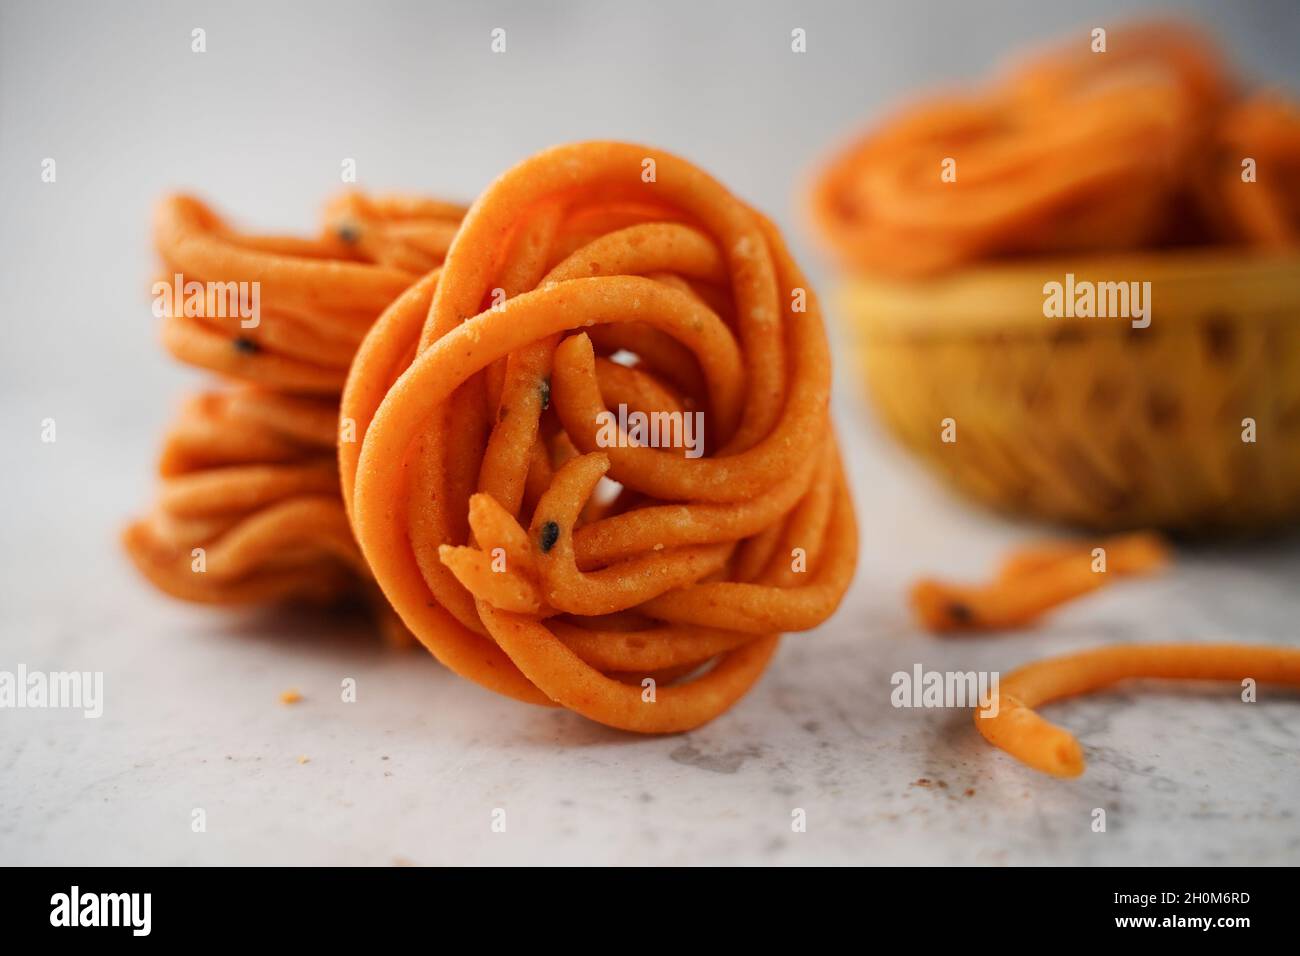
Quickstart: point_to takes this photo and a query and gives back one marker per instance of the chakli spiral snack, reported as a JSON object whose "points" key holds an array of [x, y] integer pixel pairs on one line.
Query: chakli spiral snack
{"points": [[479, 398], [248, 509], [248, 477], [249, 473], [1071, 151], [1017, 729], [1266, 213], [318, 296]]}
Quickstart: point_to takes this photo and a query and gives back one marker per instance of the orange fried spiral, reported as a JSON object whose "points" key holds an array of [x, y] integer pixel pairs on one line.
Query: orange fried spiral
{"points": [[589, 277], [249, 510], [318, 297], [1073, 150], [249, 477], [1265, 210]]}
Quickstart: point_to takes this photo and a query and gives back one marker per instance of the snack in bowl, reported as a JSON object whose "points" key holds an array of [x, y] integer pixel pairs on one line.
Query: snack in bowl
{"points": [[1072, 292]]}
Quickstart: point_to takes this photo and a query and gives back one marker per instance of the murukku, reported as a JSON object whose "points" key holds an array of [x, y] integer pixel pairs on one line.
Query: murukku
{"points": [[317, 297], [249, 509], [1251, 183], [248, 477], [1072, 150], [1017, 729], [545, 555]]}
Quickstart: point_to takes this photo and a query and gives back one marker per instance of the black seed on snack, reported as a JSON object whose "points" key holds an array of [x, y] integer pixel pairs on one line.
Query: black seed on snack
{"points": [[960, 613], [550, 534], [349, 233], [545, 389], [247, 346]]}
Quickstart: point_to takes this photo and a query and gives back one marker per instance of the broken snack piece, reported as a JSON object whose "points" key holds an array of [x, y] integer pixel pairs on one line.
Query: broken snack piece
{"points": [[1033, 581], [1014, 726]]}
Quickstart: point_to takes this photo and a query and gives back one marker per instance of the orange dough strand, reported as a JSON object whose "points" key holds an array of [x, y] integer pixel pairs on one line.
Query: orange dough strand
{"points": [[481, 492], [249, 510], [316, 298], [1017, 729], [1032, 582], [249, 474]]}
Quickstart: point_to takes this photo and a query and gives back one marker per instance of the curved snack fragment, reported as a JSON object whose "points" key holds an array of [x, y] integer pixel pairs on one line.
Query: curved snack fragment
{"points": [[1021, 732], [1033, 581]]}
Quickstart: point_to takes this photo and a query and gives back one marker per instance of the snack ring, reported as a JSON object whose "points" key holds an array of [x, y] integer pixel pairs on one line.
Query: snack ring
{"points": [[1102, 142], [249, 510], [1266, 213], [316, 297], [593, 283], [248, 477]]}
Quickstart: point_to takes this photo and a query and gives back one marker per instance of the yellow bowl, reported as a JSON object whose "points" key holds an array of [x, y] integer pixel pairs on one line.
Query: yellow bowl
{"points": [[1092, 421]]}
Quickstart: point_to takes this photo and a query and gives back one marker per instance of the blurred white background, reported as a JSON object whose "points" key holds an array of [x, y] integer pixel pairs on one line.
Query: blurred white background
{"points": [[259, 124]]}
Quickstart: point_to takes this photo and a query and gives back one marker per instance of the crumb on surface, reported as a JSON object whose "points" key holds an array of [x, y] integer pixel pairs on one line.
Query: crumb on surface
{"points": [[290, 696]]}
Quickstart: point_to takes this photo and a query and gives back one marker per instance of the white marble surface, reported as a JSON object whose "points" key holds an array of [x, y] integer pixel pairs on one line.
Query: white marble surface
{"points": [[412, 771]]}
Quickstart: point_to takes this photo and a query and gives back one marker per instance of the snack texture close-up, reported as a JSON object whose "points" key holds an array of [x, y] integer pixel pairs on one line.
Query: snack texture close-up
{"points": [[681, 435]]}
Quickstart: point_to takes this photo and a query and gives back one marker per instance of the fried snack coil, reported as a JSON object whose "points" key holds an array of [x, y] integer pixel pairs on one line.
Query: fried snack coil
{"points": [[1017, 729], [248, 476], [408, 233], [1073, 150], [317, 297], [1264, 212], [477, 396]]}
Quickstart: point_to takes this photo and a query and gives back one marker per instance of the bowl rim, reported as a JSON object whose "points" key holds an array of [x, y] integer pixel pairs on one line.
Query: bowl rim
{"points": [[1187, 284]]}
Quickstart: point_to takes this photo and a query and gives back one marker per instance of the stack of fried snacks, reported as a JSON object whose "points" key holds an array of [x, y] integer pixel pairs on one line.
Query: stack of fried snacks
{"points": [[1138, 146], [1266, 128], [250, 510], [249, 477], [527, 548]]}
